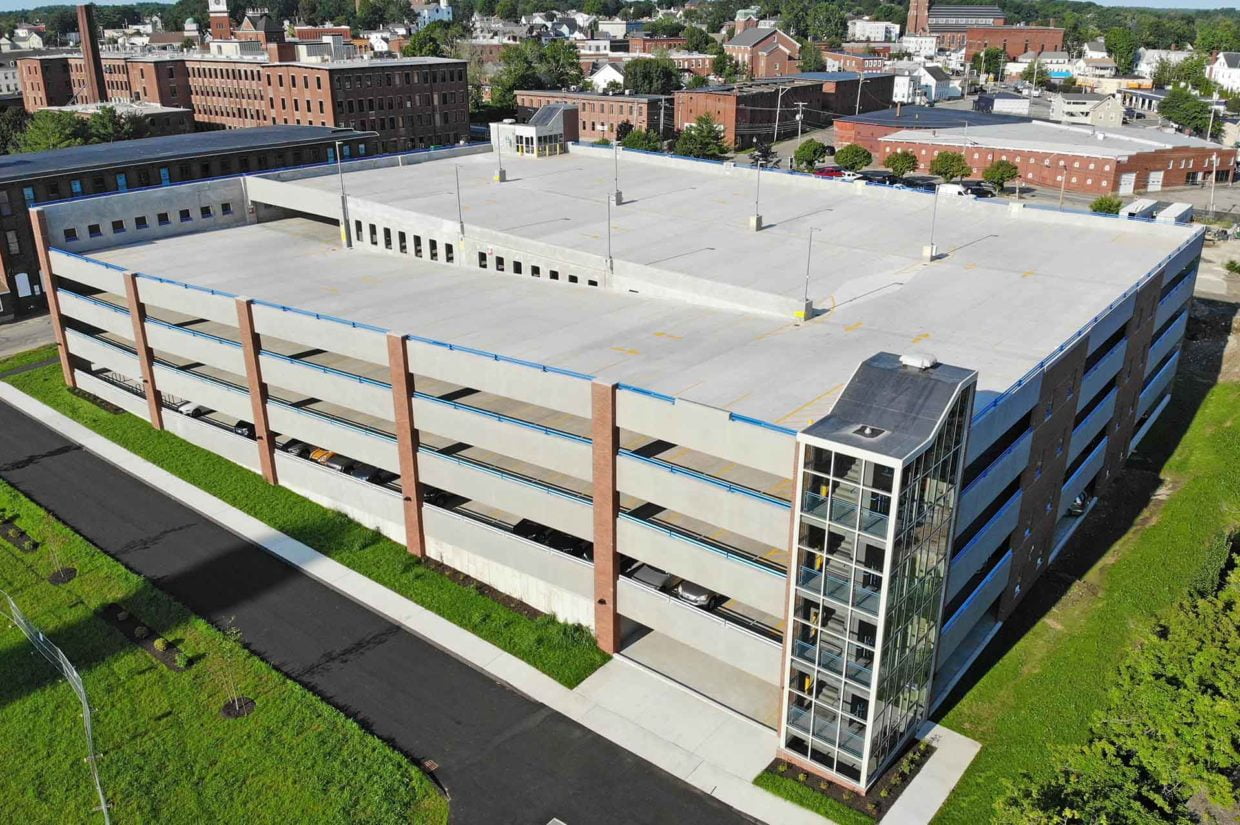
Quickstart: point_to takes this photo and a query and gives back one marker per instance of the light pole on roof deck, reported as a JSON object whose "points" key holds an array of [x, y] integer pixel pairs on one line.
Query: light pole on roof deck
{"points": [[500, 174], [346, 236], [460, 215], [755, 220], [615, 151]]}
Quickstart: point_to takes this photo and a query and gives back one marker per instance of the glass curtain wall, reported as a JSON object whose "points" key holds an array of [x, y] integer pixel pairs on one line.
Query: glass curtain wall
{"points": [[843, 715]]}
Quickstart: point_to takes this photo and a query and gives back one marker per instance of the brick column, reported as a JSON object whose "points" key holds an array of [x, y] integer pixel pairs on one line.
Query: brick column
{"points": [[406, 443], [39, 223], [606, 509], [146, 359], [250, 348]]}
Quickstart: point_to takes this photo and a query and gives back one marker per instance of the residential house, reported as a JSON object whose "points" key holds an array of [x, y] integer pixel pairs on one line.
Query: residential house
{"points": [[922, 46], [431, 12], [607, 75], [876, 31], [1148, 59], [1225, 70], [1095, 49], [1094, 67], [764, 52], [1083, 108]]}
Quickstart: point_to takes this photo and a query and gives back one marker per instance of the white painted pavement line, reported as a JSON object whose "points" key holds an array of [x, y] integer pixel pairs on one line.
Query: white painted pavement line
{"points": [[697, 770]]}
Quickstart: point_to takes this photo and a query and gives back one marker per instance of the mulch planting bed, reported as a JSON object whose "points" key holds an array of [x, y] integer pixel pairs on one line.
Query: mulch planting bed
{"points": [[17, 537], [124, 621], [894, 781], [106, 406], [490, 592]]}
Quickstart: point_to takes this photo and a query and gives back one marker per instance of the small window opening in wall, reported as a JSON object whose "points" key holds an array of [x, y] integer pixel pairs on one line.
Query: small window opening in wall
{"points": [[357, 230], [592, 283], [499, 263], [417, 246], [535, 271], [163, 219], [374, 235], [434, 247], [482, 260], [225, 208], [448, 254], [94, 231], [387, 238], [118, 227], [402, 243], [516, 267], [140, 222], [185, 216], [70, 235], [572, 279], [205, 211], [554, 275]]}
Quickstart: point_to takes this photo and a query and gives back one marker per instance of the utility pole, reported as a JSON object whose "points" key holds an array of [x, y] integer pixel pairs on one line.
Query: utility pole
{"points": [[755, 220], [809, 256], [619, 198], [611, 267], [779, 99], [460, 215], [860, 81], [1063, 180], [1213, 178]]}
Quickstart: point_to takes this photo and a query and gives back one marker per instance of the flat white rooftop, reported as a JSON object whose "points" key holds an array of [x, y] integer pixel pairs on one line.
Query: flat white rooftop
{"points": [[1041, 136], [1009, 290]]}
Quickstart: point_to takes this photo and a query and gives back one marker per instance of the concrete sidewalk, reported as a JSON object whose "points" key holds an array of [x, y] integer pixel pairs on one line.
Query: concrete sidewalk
{"points": [[695, 740], [672, 727]]}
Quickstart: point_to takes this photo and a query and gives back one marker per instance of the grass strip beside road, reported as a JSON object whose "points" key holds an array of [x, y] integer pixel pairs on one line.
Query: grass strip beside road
{"points": [[566, 653], [165, 753], [1049, 683]]}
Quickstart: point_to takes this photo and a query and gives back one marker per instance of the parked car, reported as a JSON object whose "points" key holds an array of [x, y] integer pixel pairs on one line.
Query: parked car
{"points": [[651, 576], [695, 594], [878, 176], [193, 409], [830, 150], [435, 496], [364, 472], [385, 477], [532, 530], [339, 463], [319, 455], [1077, 507], [848, 174], [296, 448], [244, 429], [977, 188], [829, 172]]}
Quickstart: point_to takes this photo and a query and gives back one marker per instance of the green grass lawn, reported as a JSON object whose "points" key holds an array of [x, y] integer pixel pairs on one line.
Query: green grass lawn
{"points": [[567, 653], [798, 794], [30, 356], [166, 753], [1045, 688]]}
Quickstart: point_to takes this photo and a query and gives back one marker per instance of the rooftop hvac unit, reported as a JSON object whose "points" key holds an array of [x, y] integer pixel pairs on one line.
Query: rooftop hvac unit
{"points": [[919, 360]]}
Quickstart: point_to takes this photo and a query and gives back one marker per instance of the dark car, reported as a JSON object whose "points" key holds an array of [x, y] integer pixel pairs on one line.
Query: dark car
{"points": [[532, 530], [434, 496], [299, 449], [364, 472], [830, 150], [885, 178], [977, 188], [339, 463], [244, 429]]}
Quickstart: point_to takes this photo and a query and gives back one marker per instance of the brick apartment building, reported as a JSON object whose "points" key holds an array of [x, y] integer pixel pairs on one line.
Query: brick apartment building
{"points": [[600, 115], [747, 111], [764, 52], [838, 61], [410, 102], [1014, 40], [642, 43], [951, 23], [847, 93], [85, 171], [1079, 159]]}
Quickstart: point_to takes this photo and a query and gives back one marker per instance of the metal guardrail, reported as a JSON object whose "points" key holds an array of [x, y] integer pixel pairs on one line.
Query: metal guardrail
{"points": [[503, 419], [989, 523], [99, 302], [964, 606], [1011, 448], [332, 371], [717, 550], [1083, 330], [711, 480], [85, 259], [216, 339], [494, 356], [569, 495], [1094, 412]]}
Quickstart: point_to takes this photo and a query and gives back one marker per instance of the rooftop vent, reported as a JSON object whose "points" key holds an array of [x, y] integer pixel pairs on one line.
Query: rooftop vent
{"points": [[866, 431], [919, 360]]}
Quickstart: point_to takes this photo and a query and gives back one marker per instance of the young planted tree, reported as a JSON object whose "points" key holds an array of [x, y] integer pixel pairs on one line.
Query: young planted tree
{"points": [[226, 668], [999, 173], [950, 166], [853, 157], [901, 163], [809, 154]]}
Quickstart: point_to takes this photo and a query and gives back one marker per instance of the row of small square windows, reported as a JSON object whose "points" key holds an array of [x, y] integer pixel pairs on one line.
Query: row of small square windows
{"points": [[140, 222], [402, 244]]}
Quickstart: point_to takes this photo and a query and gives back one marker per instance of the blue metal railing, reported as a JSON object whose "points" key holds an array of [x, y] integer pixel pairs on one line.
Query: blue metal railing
{"points": [[215, 339], [206, 290], [1083, 330], [321, 316], [1096, 411], [569, 495], [659, 396], [711, 480], [104, 264], [740, 558], [503, 419], [1011, 448], [757, 422], [964, 606], [108, 305], [990, 522], [332, 371], [503, 358]]}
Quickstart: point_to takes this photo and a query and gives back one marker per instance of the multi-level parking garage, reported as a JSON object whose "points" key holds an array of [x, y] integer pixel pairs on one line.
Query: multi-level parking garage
{"points": [[657, 422]]}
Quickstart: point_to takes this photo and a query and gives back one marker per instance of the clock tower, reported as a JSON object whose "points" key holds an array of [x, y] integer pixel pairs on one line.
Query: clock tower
{"points": [[221, 26]]}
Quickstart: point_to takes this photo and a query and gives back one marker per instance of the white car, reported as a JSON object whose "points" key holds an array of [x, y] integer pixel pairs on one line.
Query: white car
{"points": [[850, 175], [193, 409]]}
